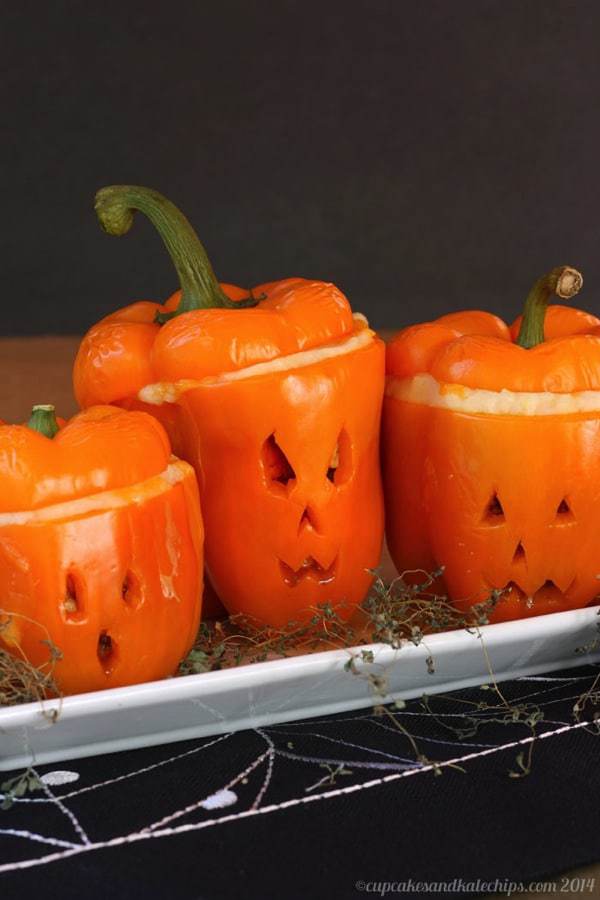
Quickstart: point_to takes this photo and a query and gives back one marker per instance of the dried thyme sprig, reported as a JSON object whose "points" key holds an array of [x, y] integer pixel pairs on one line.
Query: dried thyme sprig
{"points": [[20, 680]]}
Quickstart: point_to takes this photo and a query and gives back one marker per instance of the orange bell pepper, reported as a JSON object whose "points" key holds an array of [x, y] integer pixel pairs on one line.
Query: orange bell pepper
{"points": [[274, 395], [100, 547], [491, 453]]}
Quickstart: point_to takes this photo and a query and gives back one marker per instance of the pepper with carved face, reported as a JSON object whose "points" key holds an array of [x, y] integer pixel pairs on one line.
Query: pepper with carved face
{"points": [[491, 448], [274, 396], [100, 548]]}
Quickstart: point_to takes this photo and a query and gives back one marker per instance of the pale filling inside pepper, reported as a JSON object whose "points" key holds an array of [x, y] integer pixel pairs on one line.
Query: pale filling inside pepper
{"points": [[426, 391], [117, 498], [169, 392]]}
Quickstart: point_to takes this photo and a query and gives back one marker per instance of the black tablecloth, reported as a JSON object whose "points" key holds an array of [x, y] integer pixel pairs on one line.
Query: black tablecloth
{"points": [[324, 808]]}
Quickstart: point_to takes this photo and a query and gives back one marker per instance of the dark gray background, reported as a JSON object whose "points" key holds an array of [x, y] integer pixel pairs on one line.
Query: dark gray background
{"points": [[422, 155]]}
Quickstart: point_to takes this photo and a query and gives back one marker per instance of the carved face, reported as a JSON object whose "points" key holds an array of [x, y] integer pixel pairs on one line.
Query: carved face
{"points": [[509, 502], [289, 473], [100, 577]]}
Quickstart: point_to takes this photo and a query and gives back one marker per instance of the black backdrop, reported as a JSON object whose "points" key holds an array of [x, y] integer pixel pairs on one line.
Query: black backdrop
{"points": [[423, 155]]}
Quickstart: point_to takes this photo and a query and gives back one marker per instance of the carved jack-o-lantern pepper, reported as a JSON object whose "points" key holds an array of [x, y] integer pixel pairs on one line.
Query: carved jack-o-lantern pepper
{"points": [[100, 548], [491, 441], [274, 396]]}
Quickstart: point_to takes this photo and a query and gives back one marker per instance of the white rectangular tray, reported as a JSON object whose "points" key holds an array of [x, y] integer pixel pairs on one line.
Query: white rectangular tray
{"points": [[286, 689]]}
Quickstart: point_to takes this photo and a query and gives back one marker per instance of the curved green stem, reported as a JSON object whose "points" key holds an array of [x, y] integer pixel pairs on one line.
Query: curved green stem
{"points": [[43, 419], [563, 281], [200, 289]]}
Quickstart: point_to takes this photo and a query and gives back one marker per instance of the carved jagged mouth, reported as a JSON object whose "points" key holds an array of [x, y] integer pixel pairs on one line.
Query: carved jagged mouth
{"points": [[548, 594], [309, 569]]}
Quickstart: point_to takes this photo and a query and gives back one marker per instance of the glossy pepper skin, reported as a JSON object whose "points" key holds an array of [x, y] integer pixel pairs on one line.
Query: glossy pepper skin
{"points": [[100, 549], [274, 395], [491, 454]]}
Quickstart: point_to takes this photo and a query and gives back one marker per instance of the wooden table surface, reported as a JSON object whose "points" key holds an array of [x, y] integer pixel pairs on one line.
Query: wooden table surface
{"points": [[36, 370]]}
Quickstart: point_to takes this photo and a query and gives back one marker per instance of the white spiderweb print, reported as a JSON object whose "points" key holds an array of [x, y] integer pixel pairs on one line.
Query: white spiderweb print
{"points": [[239, 776]]}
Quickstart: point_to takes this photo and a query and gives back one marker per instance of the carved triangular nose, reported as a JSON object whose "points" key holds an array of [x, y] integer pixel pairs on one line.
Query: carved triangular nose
{"points": [[519, 554], [494, 511], [309, 519]]}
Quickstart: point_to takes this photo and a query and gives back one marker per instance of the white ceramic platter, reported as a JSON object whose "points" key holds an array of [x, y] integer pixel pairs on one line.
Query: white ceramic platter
{"points": [[287, 689]]}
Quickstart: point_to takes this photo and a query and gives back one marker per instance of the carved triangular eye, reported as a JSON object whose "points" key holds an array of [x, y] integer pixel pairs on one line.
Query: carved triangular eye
{"points": [[333, 463], [131, 591], [564, 513], [72, 603], [276, 465], [340, 464], [494, 513]]}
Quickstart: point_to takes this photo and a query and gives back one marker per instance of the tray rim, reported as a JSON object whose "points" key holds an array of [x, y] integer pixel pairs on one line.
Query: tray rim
{"points": [[257, 674]]}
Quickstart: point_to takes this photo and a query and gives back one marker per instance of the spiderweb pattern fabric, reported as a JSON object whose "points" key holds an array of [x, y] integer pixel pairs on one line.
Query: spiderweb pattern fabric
{"points": [[308, 809]]}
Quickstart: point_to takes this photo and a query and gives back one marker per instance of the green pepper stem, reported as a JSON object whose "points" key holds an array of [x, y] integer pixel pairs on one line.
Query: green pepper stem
{"points": [[563, 281], [43, 419], [200, 289]]}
